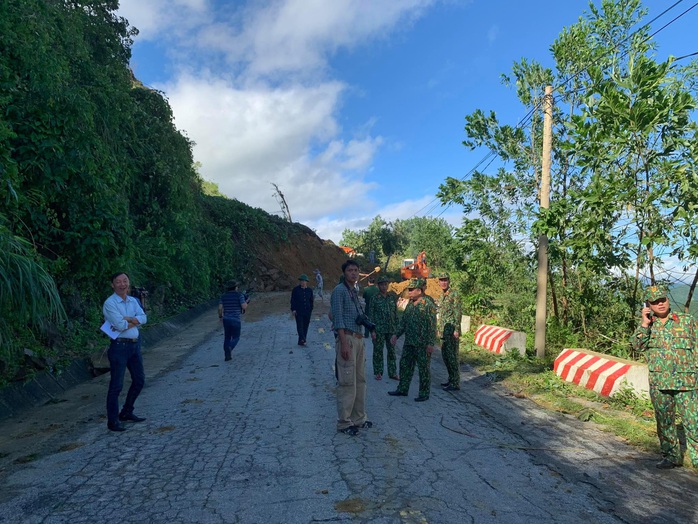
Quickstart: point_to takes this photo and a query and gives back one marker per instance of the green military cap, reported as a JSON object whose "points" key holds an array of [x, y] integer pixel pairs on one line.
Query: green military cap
{"points": [[303, 277], [444, 276], [656, 292], [416, 283], [382, 279]]}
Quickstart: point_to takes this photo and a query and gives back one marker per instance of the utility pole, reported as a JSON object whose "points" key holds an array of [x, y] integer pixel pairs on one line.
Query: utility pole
{"points": [[542, 287]]}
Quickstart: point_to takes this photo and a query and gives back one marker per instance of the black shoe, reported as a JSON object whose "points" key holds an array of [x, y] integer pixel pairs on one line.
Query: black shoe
{"points": [[130, 418], [667, 464], [421, 399], [444, 384], [116, 427], [451, 388], [351, 430], [397, 393], [366, 425], [228, 357]]}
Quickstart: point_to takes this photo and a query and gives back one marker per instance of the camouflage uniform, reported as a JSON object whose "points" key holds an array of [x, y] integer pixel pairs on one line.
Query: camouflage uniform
{"points": [[450, 313], [383, 312], [418, 324], [671, 359]]}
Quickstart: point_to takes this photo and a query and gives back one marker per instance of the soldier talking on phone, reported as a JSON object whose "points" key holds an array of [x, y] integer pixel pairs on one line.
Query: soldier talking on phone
{"points": [[668, 340]]}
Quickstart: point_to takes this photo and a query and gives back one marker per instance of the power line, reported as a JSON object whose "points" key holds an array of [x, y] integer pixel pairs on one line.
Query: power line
{"points": [[685, 56], [529, 115]]}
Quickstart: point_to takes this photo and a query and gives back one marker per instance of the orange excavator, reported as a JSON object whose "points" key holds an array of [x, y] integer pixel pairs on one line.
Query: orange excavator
{"points": [[412, 268]]}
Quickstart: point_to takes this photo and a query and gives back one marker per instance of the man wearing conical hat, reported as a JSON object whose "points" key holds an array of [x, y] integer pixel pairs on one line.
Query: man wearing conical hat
{"points": [[668, 340]]}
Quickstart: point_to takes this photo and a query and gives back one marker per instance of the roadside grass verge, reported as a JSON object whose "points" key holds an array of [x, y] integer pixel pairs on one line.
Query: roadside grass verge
{"points": [[625, 415]]}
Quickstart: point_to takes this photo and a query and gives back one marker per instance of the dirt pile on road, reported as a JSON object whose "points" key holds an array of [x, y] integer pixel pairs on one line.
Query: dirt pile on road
{"points": [[278, 264], [433, 289]]}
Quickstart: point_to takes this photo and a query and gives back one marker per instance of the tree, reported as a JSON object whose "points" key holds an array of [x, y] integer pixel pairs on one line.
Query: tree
{"points": [[433, 235], [623, 155], [28, 294]]}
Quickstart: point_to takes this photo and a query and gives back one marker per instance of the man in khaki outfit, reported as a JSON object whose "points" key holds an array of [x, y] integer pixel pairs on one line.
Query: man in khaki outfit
{"points": [[350, 352]]}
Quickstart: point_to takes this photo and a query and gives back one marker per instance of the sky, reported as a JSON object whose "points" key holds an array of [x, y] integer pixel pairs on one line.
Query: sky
{"points": [[353, 108]]}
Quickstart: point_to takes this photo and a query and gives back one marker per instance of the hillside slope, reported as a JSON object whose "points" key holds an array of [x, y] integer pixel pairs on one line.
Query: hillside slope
{"points": [[276, 265]]}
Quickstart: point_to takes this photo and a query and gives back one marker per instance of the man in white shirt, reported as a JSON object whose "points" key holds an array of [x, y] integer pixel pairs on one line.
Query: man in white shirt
{"points": [[125, 315]]}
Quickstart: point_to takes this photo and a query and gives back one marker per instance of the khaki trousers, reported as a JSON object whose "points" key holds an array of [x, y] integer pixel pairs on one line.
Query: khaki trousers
{"points": [[351, 384]]}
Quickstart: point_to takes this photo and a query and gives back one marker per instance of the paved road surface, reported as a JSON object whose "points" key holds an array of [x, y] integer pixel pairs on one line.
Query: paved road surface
{"points": [[253, 441]]}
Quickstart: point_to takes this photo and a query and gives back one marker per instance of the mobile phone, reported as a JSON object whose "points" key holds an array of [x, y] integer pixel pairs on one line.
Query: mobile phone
{"points": [[647, 304]]}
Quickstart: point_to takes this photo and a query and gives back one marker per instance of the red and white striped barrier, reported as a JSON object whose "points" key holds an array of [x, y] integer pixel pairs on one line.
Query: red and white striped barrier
{"points": [[604, 374], [500, 340]]}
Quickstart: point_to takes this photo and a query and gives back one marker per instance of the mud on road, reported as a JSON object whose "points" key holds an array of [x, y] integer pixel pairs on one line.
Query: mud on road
{"points": [[254, 440], [43, 430]]}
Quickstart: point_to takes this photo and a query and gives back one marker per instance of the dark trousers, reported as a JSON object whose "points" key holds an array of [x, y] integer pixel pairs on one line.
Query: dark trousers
{"points": [[302, 323], [123, 356], [231, 334]]}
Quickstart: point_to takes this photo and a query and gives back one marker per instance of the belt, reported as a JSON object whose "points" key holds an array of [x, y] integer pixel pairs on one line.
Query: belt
{"points": [[125, 340], [354, 333]]}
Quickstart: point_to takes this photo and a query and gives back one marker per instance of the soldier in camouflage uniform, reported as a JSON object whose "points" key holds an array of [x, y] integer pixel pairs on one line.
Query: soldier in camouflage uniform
{"points": [[669, 342], [418, 324], [383, 313], [448, 329]]}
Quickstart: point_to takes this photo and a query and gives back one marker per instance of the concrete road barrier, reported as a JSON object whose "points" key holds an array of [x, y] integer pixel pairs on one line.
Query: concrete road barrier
{"points": [[604, 374], [500, 340]]}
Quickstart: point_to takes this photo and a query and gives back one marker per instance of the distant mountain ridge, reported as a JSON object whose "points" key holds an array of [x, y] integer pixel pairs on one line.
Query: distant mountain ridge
{"points": [[679, 294]]}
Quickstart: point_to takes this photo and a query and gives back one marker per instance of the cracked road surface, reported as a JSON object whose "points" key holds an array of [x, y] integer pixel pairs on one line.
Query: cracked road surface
{"points": [[253, 441]]}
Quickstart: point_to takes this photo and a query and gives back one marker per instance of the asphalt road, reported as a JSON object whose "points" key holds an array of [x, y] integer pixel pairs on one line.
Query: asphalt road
{"points": [[254, 441]]}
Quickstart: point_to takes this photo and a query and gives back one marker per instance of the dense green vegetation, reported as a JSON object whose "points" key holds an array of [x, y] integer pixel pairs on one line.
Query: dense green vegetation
{"points": [[95, 178], [624, 187]]}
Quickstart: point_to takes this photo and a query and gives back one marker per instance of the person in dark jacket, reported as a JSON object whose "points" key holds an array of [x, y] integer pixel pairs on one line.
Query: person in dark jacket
{"points": [[302, 307]]}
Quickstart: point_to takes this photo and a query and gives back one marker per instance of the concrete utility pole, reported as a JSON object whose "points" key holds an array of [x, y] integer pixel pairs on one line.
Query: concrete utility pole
{"points": [[542, 288]]}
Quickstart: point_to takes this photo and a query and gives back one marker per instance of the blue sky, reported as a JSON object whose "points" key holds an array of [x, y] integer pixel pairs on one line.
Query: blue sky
{"points": [[353, 108]]}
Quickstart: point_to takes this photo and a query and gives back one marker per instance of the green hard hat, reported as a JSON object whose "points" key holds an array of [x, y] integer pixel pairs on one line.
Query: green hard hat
{"points": [[444, 276], [656, 292], [304, 277], [416, 283], [382, 279]]}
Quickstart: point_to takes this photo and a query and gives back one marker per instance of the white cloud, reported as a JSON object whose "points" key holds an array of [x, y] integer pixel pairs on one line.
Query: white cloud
{"points": [[153, 18], [332, 228], [253, 91], [246, 139]]}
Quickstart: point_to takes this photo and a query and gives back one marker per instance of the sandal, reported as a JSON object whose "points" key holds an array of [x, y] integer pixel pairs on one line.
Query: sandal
{"points": [[351, 430], [379, 376], [366, 425]]}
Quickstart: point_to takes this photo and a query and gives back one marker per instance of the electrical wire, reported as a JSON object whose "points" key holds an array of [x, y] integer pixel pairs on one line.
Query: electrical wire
{"points": [[433, 204]]}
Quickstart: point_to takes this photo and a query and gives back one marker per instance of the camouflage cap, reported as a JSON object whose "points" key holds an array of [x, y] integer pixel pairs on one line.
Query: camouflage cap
{"points": [[656, 292], [304, 277], [382, 279], [444, 276], [416, 283]]}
